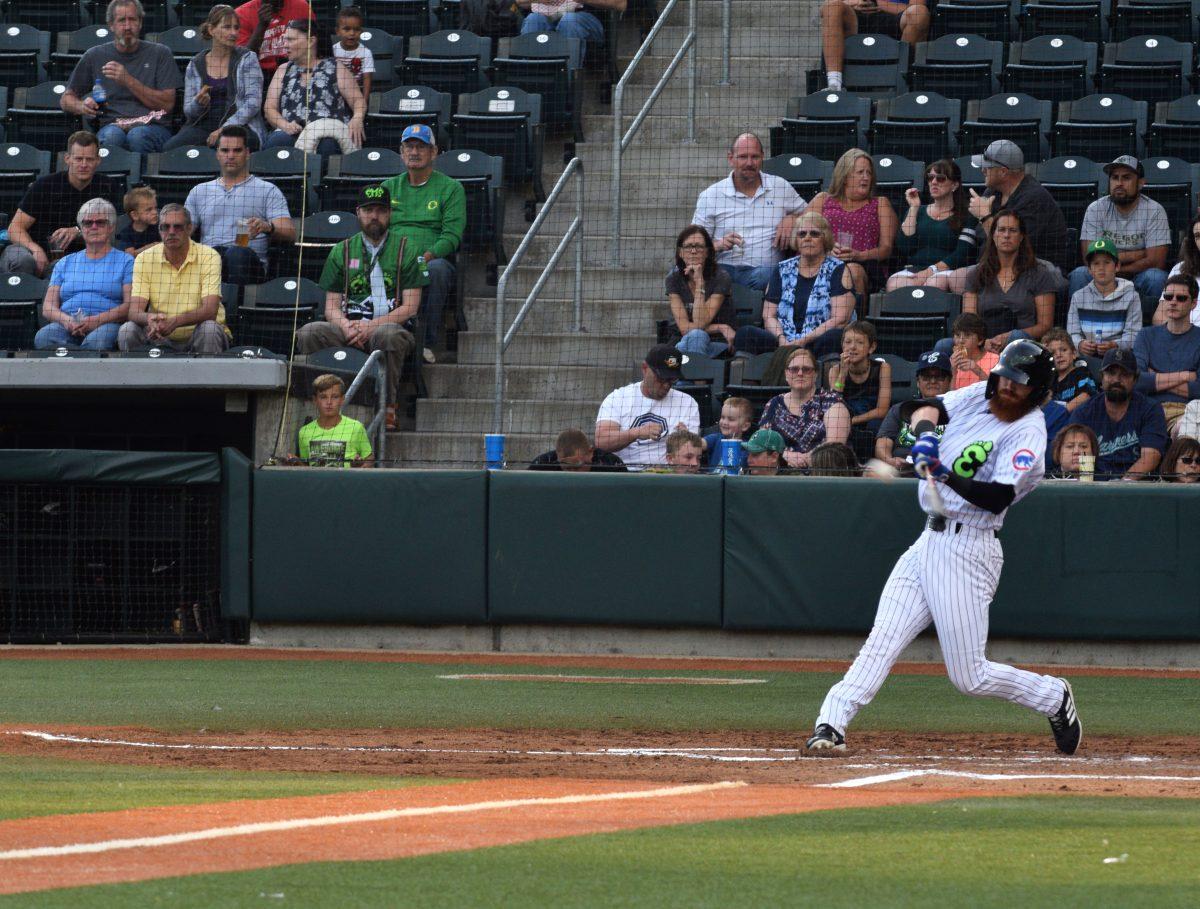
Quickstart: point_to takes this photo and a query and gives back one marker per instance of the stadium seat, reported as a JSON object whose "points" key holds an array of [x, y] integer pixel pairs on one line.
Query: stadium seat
{"points": [[1082, 19], [1176, 128], [919, 125], [35, 117], [21, 298], [50, 16], [704, 382], [957, 66], [20, 165], [389, 114], [297, 175], [1177, 18], [382, 45], [174, 173], [271, 312], [448, 13], [315, 236], [823, 125], [1051, 68], [400, 19], [191, 12], [1173, 184], [450, 61], [159, 16], [972, 176], [482, 176], [337, 359], [910, 320], [24, 53], [874, 67], [746, 381], [70, 47], [507, 122], [183, 41], [1074, 182], [808, 175], [1099, 127], [995, 20], [1148, 68], [346, 174], [748, 303], [894, 175], [546, 64], [115, 162], [1020, 118]]}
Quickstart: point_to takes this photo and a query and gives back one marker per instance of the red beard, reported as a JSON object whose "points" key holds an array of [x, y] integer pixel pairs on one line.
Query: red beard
{"points": [[1007, 408]]}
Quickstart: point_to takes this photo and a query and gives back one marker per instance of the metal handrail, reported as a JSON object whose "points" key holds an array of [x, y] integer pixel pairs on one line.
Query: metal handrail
{"points": [[573, 232], [621, 142], [377, 428], [726, 39]]}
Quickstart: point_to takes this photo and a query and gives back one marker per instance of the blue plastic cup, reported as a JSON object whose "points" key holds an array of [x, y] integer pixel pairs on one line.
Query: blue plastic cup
{"points": [[493, 450], [731, 456]]}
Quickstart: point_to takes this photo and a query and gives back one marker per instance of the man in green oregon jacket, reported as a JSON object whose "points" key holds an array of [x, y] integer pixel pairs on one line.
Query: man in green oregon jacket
{"points": [[431, 210]]}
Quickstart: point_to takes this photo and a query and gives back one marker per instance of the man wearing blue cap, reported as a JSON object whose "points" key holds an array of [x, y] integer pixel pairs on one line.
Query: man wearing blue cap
{"points": [[431, 210], [895, 437]]}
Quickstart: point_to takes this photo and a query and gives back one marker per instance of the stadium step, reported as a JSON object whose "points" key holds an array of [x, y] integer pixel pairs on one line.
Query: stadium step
{"points": [[548, 417], [630, 283], [599, 316], [582, 348], [752, 76], [775, 43], [525, 383], [672, 129], [448, 450], [699, 160], [708, 96]]}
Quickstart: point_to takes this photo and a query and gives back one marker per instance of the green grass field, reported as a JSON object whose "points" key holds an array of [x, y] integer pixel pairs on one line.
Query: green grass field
{"points": [[1033, 851], [265, 694], [981, 853]]}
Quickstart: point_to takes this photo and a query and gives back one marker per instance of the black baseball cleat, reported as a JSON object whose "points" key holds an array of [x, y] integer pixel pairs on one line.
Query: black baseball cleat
{"points": [[1068, 731], [826, 738]]}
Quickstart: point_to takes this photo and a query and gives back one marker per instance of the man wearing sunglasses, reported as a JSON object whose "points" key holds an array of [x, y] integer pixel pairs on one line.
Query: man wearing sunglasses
{"points": [[1168, 355]]}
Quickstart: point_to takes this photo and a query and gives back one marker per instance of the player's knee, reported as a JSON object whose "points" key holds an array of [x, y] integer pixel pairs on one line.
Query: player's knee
{"points": [[973, 681]]}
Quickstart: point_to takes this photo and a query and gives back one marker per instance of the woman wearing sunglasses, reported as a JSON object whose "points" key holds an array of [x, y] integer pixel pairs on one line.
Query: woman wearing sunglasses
{"points": [[809, 299], [939, 237], [804, 415], [88, 294], [701, 296], [1181, 463]]}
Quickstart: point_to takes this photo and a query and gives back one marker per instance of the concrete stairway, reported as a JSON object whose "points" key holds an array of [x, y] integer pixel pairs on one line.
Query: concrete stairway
{"points": [[556, 377]]}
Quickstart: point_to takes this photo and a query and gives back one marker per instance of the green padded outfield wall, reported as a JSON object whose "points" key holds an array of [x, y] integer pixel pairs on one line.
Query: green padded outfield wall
{"points": [[796, 550], [595, 549], [378, 546], [237, 473]]}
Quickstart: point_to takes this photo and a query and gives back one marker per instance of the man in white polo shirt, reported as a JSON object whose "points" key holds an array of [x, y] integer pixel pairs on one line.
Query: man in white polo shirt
{"points": [[749, 215]]}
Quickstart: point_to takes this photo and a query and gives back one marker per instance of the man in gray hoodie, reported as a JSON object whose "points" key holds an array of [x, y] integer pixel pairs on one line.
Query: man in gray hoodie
{"points": [[1105, 313]]}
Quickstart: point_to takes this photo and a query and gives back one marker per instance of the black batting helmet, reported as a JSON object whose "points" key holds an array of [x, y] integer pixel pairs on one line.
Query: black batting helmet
{"points": [[1026, 363]]}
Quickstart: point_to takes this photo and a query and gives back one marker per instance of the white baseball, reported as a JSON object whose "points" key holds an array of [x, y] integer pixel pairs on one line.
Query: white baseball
{"points": [[881, 469]]}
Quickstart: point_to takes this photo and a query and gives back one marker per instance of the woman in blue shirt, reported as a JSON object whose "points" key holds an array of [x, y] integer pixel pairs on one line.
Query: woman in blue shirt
{"points": [[88, 295]]}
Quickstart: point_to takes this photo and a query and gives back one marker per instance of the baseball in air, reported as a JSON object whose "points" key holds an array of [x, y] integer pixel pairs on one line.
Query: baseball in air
{"points": [[880, 469]]}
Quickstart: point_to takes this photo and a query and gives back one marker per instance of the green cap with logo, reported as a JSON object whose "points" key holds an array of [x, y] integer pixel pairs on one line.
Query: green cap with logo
{"points": [[765, 440], [1102, 245]]}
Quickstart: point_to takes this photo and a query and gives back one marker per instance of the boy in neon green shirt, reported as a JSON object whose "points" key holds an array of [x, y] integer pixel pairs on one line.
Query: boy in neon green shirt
{"points": [[332, 439]]}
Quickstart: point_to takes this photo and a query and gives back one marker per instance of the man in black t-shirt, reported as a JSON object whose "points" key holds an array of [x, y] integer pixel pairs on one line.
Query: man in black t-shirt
{"points": [[574, 451], [44, 223]]}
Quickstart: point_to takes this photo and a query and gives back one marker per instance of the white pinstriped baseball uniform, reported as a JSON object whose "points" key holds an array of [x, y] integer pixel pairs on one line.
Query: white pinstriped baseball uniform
{"points": [[949, 577]]}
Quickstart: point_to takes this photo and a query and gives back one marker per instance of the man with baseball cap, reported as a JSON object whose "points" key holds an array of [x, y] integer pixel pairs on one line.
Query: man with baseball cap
{"points": [[1168, 355], [896, 437], [634, 420], [1137, 226], [372, 292], [764, 453], [1131, 428], [431, 210], [1009, 187], [1106, 312]]}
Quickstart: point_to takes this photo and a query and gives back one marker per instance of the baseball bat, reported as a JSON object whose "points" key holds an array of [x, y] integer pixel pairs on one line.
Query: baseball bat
{"points": [[937, 507]]}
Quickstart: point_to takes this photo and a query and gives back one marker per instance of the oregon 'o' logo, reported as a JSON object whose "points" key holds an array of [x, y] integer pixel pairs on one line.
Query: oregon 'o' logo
{"points": [[432, 205]]}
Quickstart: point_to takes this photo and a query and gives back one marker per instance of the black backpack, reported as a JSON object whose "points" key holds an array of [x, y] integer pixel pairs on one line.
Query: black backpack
{"points": [[493, 18]]}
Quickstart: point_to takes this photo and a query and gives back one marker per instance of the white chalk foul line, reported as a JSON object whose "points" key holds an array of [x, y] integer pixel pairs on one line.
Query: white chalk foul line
{"points": [[613, 679], [214, 833], [1002, 777]]}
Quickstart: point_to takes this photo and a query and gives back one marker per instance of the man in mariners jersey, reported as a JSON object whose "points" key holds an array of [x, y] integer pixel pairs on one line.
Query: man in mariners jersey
{"points": [[991, 455], [371, 297]]}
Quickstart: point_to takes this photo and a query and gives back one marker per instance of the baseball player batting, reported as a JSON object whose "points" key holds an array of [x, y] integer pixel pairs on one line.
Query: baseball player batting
{"points": [[990, 456]]}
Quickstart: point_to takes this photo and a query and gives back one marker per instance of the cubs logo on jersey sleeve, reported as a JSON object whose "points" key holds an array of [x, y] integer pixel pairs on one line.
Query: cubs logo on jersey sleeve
{"points": [[1024, 459]]}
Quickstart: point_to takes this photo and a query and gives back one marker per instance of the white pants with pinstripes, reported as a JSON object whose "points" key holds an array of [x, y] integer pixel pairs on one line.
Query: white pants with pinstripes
{"points": [[949, 579]]}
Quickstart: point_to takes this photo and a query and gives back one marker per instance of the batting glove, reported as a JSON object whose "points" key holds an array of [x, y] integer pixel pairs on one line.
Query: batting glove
{"points": [[923, 465], [925, 447]]}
